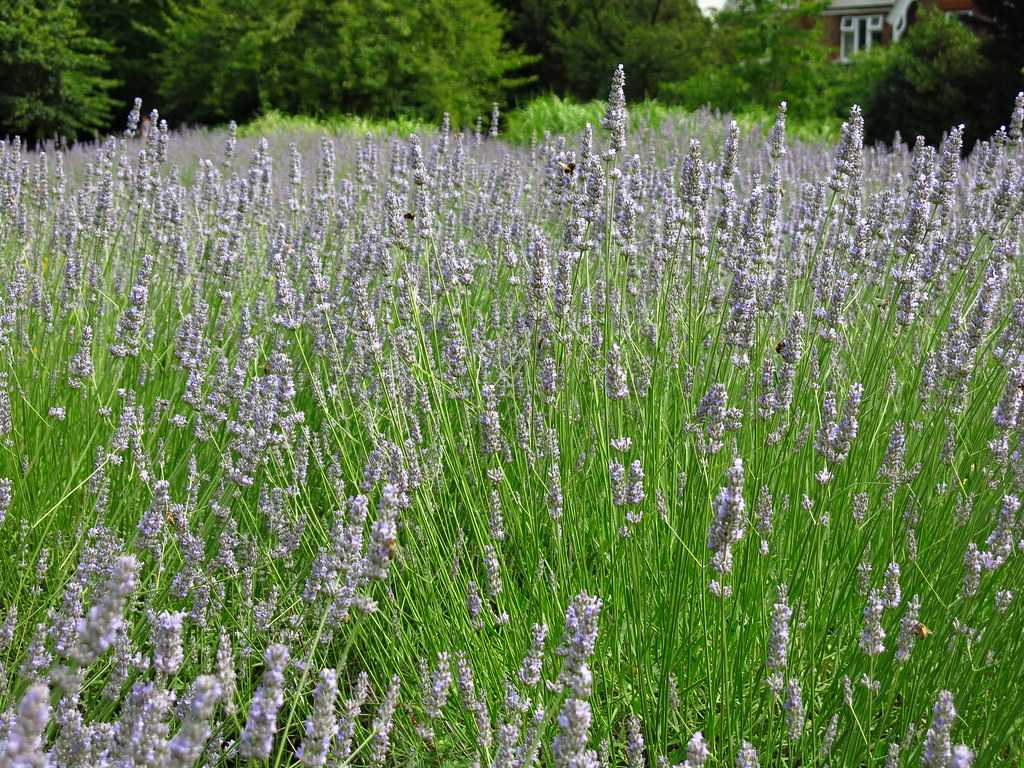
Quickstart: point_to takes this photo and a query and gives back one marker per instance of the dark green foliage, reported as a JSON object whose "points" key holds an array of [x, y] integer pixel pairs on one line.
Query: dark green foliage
{"points": [[234, 58], [581, 41], [764, 52], [212, 58], [72, 67], [133, 31], [929, 81], [54, 73], [1002, 46]]}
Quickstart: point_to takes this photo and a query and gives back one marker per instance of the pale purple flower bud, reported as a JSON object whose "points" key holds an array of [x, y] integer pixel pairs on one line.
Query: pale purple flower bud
{"points": [[835, 437], [1001, 541], [5, 497], [910, 626], [777, 138], [615, 385], [187, 746], [872, 636], [495, 517], [578, 640], [493, 570], [100, 627], [226, 672], [495, 121], [891, 593], [778, 641], [436, 694], [474, 605], [747, 757], [962, 757], [383, 722], [794, 706], [636, 493], [490, 421], [616, 117], [635, 755], [548, 378], [937, 748], [133, 119], [829, 737], [569, 747], [321, 727], [383, 535], [621, 444], [892, 464], [165, 637], [714, 418], [949, 168], [529, 672], [347, 725], [697, 753], [730, 521], [1004, 597], [24, 747], [972, 570], [763, 517], [257, 736], [730, 150], [554, 494], [892, 757]]}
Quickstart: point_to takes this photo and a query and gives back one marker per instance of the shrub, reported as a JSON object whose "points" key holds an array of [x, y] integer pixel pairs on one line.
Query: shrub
{"points": [[928, 82]]}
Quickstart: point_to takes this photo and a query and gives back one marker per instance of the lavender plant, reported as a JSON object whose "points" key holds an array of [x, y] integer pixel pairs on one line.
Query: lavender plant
{"points": [[303, 435]]}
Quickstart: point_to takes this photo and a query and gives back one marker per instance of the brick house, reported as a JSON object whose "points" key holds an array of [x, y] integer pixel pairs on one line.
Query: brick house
{"points": [[857, 25]]}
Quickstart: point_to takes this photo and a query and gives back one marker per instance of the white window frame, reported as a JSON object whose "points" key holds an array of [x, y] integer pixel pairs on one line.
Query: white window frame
{"points": [[851, 26]]}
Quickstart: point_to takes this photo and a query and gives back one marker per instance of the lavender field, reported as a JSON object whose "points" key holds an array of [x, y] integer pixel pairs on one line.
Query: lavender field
{"points": [[672, 446]]}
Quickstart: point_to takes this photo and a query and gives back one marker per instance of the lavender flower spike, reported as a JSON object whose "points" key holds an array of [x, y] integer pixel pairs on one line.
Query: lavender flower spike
{"points": [[24, 746], [697, 753], [188, 744], [257, 737], [615, 117], [99, 629], [730, 522], [937, 748], [322, 726]]}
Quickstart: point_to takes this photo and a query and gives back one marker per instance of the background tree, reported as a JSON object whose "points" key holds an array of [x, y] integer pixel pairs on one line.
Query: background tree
{"points": [[928, 83], [579, 41], [234, 58], [133, 31], [763, 52], [54, 72], [1002, 45]]}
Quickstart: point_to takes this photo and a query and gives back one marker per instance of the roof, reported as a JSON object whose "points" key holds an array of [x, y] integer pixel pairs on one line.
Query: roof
{"points": [[844, 6]]}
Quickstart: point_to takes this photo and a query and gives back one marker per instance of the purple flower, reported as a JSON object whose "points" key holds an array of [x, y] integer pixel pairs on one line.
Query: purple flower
{"points": [[257, 736], [615, 117], [730, 522], [937, 748]]}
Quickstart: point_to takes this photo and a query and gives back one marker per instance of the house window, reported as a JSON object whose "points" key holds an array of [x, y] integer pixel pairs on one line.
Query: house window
{"points": [[858, 33]]}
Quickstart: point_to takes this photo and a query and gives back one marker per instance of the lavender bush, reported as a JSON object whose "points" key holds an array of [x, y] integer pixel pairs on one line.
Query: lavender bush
{"points": [[640, 447]]}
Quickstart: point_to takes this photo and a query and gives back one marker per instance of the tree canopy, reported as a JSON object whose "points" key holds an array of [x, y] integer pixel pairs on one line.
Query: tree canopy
{"points": [[73, 67], [55, 74]]}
